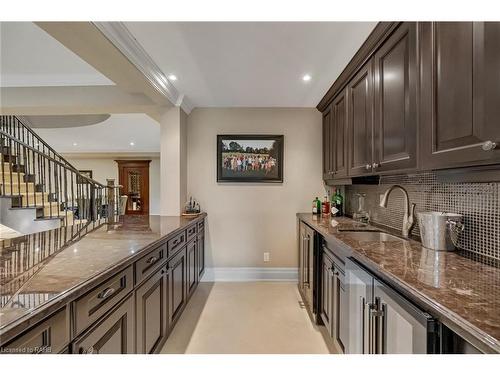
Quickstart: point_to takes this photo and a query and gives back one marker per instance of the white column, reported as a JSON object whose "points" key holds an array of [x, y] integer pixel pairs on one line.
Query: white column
{"points": [[173, 164]]}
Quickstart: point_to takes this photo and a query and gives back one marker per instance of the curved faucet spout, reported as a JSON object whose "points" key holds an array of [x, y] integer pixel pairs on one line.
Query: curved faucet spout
{"points": [[409, 213]]}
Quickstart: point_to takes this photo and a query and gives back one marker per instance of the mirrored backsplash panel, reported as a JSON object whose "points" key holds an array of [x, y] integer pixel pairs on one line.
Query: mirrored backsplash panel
{"points": [[477, 202]]}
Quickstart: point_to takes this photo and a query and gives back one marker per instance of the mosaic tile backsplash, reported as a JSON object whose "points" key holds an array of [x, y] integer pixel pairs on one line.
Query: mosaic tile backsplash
{"points": [[478, 202]]}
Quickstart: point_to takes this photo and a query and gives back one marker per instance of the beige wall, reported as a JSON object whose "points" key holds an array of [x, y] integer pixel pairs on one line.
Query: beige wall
{"points": [[104, 168], [245, 220]]}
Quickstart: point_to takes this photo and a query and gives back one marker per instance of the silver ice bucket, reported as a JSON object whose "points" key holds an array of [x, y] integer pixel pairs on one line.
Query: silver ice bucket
{"points": [[440, 230]]}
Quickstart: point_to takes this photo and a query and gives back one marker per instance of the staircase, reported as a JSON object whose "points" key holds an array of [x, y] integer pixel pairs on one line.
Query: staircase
{"points": [[40, 190]]}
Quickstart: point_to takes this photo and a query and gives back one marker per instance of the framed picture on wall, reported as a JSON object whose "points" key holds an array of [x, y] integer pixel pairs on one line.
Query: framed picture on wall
{"points": [[86, 173], [249, 158]]}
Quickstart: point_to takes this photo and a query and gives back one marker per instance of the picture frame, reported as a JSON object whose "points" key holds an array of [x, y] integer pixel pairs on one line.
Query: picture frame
{"points": [[250, 158]]}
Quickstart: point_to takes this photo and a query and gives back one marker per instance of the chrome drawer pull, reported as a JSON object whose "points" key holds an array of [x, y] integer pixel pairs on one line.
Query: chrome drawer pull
{"points": [[152, 260], [106, 293]]}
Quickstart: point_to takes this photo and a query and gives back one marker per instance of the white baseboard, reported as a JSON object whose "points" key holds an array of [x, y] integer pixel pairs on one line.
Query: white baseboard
{"points": [[250, 274]]}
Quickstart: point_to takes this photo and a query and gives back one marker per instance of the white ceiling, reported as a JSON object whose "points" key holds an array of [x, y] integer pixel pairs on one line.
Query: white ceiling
{"points": [[251, 64], [31, 57], [112, 135]]}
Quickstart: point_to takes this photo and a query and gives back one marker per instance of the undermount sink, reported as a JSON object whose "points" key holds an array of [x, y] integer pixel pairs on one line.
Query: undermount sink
{"points": [[361, 235]]}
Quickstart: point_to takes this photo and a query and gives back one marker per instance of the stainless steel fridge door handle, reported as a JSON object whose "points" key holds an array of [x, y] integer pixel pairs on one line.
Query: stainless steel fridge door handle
{"points": [[380, 316], [366, 329]]}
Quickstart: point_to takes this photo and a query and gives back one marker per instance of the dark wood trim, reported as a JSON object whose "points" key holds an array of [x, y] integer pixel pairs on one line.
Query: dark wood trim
{"points": [[376, 37]]}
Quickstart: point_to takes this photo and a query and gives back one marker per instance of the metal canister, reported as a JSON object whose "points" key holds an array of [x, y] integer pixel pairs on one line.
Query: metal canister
{"points": [[440, 230]]}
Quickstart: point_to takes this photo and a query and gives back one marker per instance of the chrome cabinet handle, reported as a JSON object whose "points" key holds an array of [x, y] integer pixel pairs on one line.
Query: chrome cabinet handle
{"points": [[489, 145], [106, 293], [152, 260], [380, 314], [365, 337]]}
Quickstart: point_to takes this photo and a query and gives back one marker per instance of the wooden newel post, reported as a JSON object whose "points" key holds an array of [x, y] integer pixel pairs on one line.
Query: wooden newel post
{"points": [[111, 199]]}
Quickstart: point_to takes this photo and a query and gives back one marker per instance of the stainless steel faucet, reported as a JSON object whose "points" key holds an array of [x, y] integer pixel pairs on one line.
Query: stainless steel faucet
{"points": [[409, 214]]}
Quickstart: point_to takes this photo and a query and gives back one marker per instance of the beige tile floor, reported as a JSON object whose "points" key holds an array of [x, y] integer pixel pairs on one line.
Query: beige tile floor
{"points": [[244, 318]]}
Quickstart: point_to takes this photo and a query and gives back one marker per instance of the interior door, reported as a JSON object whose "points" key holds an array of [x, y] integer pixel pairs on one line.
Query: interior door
{"points": [[360, 121], [401, 327], [460, 92], [134, 177], [359, 286], [395, 83]]}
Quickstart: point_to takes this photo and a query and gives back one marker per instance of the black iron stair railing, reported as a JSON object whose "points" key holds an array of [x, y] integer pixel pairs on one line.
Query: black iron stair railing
{"points": [[35, 176]]}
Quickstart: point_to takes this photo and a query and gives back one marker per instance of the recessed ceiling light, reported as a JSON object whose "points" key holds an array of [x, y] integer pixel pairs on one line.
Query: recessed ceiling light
{"points": [[75, 144], [132, 144], [306, 78], [172, 77]]}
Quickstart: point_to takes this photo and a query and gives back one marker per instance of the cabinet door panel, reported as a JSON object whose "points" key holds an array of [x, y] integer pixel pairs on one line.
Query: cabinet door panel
{"points": [[395, 101], [327, 159], [192, 274], [113, 335], [326, 291], [177, 286], [360, 122], [460, 92], [200, 248], [151, 312], [338, 140]]}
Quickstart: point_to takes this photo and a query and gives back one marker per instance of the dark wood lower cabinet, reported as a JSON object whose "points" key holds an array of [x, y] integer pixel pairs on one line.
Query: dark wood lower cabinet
{"points": [[177, 286], [114, 334], [200, 250], [327, 291], [151, 312], [192, 267]]}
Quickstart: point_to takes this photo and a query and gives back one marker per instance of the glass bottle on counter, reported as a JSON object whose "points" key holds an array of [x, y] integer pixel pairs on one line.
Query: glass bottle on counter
{"points": [[325, 206], [338, 202], [316, 206]]}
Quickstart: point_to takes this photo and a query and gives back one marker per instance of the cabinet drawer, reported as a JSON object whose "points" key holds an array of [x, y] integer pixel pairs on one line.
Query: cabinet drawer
{"points": [[201, 226], [50, 336], [191, 232], [150, 263], [175, 243], [100, 300]]}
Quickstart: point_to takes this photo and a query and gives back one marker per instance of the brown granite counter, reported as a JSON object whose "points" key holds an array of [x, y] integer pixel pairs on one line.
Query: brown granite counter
{"points": [[463, 293], [45, 269]]}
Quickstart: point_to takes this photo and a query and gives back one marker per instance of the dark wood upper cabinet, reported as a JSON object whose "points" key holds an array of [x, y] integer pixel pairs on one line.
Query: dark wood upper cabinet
{"points": [[395, 98], [459, 94], [151, 312], [360, 122], [338, 133], [327, 150]]}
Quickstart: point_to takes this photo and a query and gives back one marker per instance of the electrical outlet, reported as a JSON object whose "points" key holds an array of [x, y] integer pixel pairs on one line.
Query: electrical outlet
{"points": [[266, 257]]}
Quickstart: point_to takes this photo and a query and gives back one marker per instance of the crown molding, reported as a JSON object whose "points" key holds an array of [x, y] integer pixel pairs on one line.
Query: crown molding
{"points": [[118, 34]]}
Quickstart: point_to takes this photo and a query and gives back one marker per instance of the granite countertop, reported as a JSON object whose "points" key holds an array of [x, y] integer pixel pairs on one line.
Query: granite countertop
{"points": [[461, 292], [39, 268]]}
